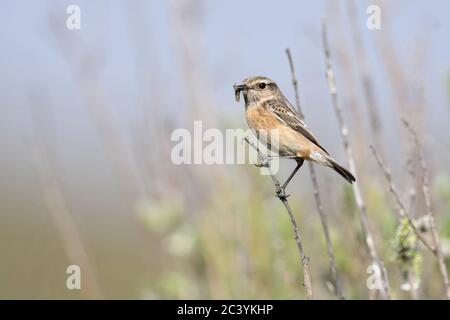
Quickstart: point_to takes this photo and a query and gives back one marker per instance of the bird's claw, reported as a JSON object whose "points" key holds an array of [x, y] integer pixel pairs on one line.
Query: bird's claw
{"points": [[264, 164], [281, 193]]}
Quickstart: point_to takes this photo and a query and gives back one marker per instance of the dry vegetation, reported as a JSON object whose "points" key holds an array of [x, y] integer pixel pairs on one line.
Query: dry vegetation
{"points": [[219, 231]]}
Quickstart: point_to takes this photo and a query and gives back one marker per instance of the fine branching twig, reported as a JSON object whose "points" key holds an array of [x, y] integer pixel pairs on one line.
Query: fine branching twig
{"points": [[427, 195], [369, 240], [280, 193], [412, 189], [295, 84], [317, 197], [402, 211]]}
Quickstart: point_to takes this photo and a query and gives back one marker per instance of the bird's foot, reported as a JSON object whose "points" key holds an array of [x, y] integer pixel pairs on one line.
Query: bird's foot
{"points": [[263, 162], [281, 193]]}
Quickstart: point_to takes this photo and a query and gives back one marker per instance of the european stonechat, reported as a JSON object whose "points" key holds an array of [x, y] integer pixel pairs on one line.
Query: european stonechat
{"points": [[266, 109]]}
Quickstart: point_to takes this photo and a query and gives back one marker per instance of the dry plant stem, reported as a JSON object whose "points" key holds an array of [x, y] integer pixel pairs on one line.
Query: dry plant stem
{"points": [[304, 259], [280, 193], [324, 221], [317, 197], [384, 291], [426, 192], [402, 212], [294, 83], [412, 189]]}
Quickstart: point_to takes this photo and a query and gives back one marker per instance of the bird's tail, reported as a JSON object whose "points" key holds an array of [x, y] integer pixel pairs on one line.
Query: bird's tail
{"points": [[342, 171]]}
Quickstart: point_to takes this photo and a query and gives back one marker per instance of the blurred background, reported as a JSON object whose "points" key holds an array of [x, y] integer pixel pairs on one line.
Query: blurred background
{"points": [[85, 123]]}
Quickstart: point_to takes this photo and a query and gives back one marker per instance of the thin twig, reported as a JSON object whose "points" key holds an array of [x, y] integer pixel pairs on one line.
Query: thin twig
{"points": [[384, 290], [317, 197], [430, 213], [294, 83], [412, 189], [264, 160], [402, 212]]}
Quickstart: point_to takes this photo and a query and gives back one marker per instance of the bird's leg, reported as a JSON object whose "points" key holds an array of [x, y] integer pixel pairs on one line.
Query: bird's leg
{"points": [[299, 165]]}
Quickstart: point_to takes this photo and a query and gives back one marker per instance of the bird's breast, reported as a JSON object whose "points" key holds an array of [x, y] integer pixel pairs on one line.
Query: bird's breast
{"points": [[259, 118], [290, 142]]}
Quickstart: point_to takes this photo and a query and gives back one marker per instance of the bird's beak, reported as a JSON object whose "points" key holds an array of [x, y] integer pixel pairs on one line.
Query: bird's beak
{"points": [[237, 91]]}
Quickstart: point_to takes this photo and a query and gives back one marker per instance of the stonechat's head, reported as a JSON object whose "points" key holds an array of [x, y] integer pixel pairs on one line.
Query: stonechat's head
{"points": [[256, 89]]}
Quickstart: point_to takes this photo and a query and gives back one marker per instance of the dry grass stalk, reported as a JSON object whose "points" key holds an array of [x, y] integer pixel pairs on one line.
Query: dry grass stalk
{"points": [[264, 161], [402, 211], [317, 197], [426, 192], [369, 240]]}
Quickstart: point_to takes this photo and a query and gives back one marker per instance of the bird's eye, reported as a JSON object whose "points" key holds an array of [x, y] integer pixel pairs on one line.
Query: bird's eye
{"points": [[262, 85]]}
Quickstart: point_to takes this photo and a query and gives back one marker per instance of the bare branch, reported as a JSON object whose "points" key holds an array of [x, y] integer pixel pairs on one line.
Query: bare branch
{"points": [[317, 197], [402, 212], [430, 213], [294, 83], [412, 189], [283, 198], [369, 241]]}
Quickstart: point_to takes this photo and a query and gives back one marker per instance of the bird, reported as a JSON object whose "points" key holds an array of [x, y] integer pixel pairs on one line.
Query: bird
{"points": [[267, 109]]}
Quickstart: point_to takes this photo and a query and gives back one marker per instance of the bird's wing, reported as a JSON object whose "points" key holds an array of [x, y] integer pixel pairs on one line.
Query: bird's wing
{"points": [[287, 114]]}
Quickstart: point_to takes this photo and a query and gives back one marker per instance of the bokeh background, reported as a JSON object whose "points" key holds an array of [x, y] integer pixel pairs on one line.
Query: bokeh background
{"points": [[85, 123]]}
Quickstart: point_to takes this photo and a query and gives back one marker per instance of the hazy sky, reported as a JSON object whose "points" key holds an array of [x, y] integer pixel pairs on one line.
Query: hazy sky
{"points": [[239, 38], [136, 49]]}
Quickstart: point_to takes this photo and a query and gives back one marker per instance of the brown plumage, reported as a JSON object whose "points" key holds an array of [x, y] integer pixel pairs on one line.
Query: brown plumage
{"points": [[267, 109]]}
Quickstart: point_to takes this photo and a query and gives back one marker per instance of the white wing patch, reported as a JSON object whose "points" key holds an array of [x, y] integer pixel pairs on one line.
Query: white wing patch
{"points": [[318, 157]]}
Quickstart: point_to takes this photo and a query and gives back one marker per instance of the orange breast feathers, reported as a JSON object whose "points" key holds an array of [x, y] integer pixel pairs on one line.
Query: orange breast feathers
{"points": [[291, 142], [259, 118]]}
